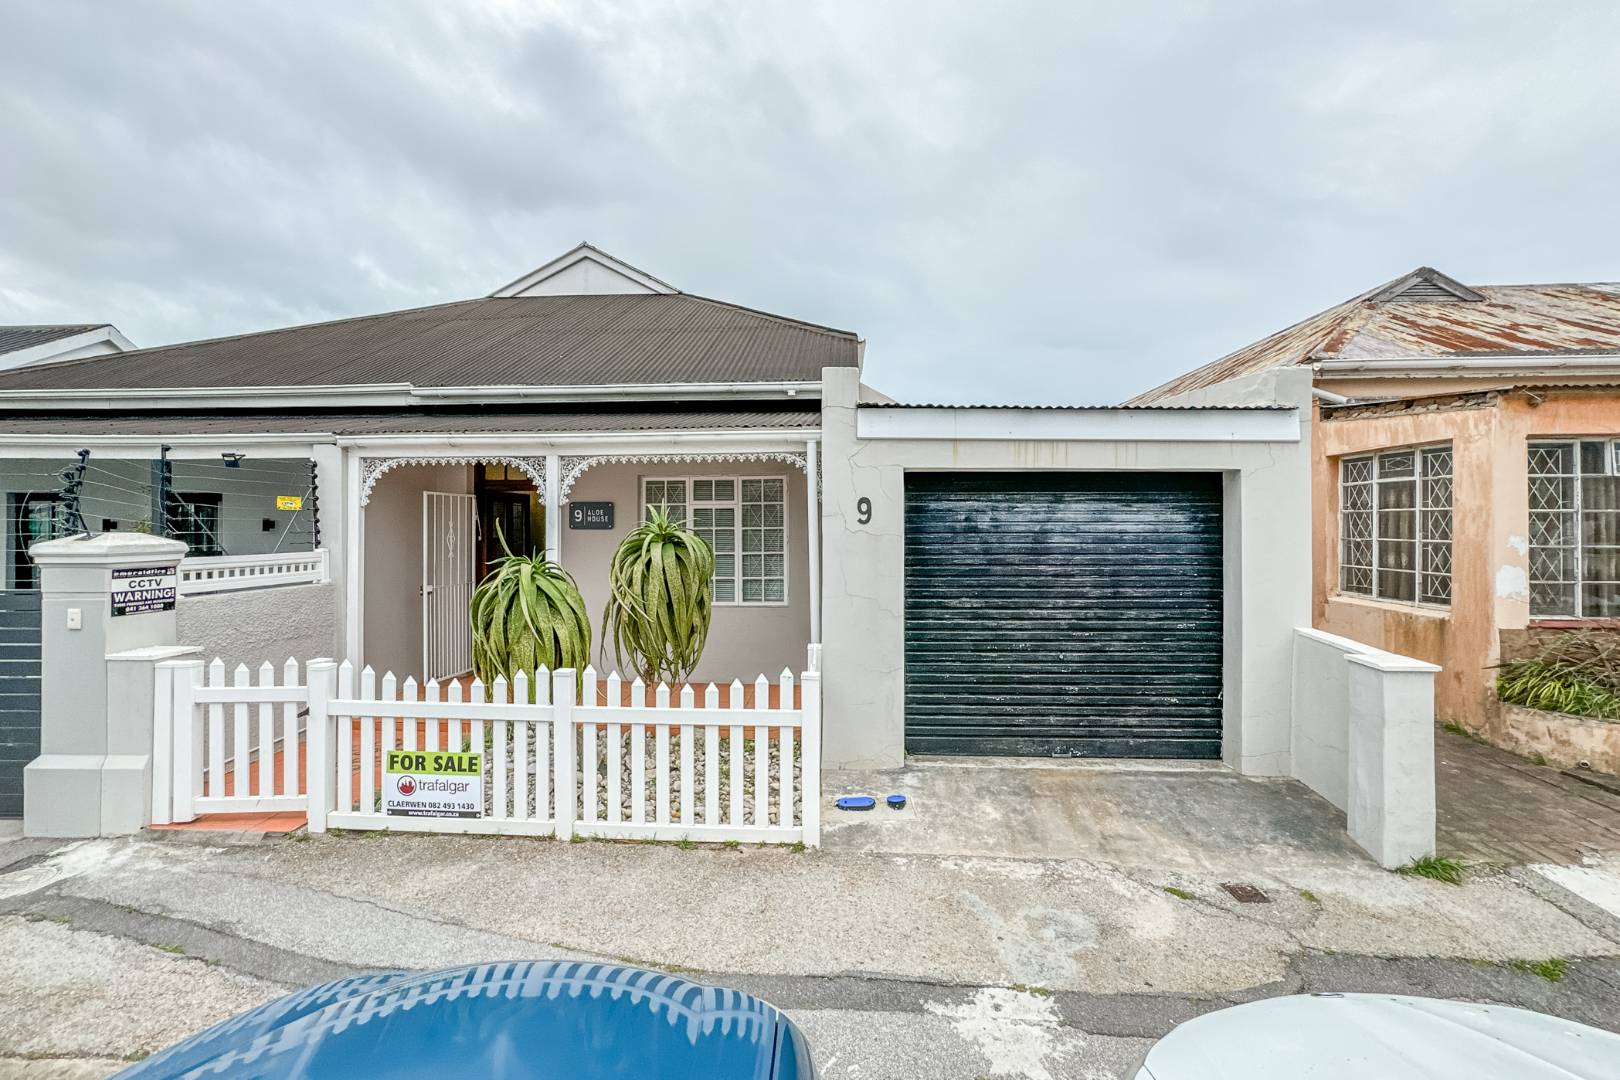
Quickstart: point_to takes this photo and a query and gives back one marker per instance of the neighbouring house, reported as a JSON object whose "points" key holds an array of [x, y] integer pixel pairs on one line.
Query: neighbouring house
{"points": [[1466, 470], [21, 346], [1053, 581]]}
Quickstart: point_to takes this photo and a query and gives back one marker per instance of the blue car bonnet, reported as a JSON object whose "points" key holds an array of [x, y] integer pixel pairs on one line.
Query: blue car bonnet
{"points": [[530, 1020]]}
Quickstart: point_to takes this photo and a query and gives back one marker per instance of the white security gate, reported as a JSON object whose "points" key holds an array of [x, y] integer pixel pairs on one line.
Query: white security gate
{"points": [[448, 571]]}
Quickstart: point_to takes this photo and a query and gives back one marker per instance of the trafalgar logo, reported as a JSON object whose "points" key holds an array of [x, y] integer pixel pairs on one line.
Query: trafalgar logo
{"points": [[406, 785]]}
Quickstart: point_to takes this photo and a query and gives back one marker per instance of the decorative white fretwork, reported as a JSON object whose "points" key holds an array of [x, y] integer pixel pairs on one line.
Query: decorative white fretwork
{"points": [[573, 467], [372, 469]]}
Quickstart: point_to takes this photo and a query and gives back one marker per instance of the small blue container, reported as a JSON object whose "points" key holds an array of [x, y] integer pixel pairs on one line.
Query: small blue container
{"points": [[896, 802], [856, 802]]}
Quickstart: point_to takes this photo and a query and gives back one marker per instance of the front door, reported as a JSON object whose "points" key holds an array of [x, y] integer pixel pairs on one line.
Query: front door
{"points": [[448, 553]]}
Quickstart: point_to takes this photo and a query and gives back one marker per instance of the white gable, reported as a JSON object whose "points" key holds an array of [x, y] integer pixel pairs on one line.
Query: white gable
{"points": [[584, 271]]}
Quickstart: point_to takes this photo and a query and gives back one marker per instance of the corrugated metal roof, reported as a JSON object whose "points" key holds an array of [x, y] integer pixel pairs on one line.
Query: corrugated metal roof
{"points": [[515, 341], [13, 338], [1509, 321], [407, 421]]}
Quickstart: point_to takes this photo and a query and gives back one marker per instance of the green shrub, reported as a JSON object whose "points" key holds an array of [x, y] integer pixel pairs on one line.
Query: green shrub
{"points": [[1576, 672], [661, 586], [525, 614], [1556, 687]]}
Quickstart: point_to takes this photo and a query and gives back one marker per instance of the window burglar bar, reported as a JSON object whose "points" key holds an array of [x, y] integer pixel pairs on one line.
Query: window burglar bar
{"points": [[1574, 528], [1395, 525]]}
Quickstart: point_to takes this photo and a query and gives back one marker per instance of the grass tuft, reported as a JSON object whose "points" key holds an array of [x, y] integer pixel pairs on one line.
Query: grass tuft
{"points": [[686, 843], [1552, 969], [174, 949], [1308, 896], [1179, 894], [797, 847], [1436, 868]]}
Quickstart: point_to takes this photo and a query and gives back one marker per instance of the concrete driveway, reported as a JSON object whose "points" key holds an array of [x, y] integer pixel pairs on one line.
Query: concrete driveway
{"points": [[1193, 817]]}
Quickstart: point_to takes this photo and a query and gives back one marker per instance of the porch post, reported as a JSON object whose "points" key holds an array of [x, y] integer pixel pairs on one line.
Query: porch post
{"points": [[553, 495], [354, 573], [812, 532]]}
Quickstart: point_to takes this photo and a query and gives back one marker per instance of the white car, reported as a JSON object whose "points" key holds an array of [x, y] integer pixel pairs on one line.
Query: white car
{"points": [[1380, 1037]]}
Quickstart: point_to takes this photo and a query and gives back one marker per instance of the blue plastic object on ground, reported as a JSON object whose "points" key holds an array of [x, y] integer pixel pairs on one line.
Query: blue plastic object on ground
{"points": [[856, 802], [896, 802], [539, 1020]]}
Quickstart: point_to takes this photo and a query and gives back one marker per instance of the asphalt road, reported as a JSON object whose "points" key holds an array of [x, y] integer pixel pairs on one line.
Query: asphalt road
{"points": [[895, 966]]}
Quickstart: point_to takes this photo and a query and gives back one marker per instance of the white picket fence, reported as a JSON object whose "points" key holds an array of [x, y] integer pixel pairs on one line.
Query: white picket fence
{"points": [[204, 764], [585, 757]]}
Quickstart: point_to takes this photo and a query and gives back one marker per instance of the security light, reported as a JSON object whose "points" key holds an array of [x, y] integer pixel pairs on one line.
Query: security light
{"points": [[233, 460]]}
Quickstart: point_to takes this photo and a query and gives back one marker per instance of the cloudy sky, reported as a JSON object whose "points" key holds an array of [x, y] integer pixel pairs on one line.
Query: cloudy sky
{"points": [[1010, 202]]}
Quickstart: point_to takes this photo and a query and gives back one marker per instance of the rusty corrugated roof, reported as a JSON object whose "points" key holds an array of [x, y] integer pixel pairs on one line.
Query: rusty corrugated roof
{"points": [[512, 341], [1507, 320]]}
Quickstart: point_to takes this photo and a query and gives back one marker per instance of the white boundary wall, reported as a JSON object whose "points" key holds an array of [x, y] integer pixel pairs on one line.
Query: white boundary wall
{"points": [[1362, 732]]}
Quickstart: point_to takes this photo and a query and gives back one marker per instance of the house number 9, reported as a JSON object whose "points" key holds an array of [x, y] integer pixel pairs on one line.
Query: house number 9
{"points": [[863, 506]]}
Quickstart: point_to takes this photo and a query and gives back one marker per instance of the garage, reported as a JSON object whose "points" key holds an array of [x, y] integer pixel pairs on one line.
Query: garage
{"points": [[1074, 614]]}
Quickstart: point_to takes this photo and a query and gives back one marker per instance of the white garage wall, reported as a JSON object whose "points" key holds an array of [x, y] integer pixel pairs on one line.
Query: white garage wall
{"points": [[1267, 573]]}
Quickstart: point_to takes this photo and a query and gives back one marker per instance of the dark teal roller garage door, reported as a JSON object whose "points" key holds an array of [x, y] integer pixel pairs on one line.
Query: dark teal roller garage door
{"points": [[1064, 615]]}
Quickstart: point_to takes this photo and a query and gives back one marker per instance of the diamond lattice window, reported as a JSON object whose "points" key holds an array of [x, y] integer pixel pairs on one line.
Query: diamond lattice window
{"points": [[1574, 490], [1395, 525]]}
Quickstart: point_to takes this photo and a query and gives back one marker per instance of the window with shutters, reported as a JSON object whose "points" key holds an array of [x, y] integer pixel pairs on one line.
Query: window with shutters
{"points": [[1395, 525], [1574, 528], [744, 519]]}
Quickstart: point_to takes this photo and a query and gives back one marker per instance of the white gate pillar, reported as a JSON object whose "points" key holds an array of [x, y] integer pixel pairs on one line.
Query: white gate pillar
{"points": [[106, 620]]}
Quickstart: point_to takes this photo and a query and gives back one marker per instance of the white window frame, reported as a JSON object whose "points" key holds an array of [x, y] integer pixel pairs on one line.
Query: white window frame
{"points": [[1573, 512], [1431, 542], [736, 503]]}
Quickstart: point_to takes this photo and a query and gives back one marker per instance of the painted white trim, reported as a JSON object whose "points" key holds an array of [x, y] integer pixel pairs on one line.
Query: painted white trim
{"points": [[1084, 425], [553, 497], [812, 534], [383, 394], [584, 252], [49, 351], [1548, 364], [407, 444], [354, 576], [659, 391], [182, 447]]}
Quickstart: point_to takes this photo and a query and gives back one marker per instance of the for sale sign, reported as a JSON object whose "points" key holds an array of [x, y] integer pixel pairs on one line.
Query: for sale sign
{"points": [[431, 783]]}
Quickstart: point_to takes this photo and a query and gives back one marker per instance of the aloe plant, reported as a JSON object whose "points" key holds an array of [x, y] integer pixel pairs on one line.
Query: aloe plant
{"points": [[527, 613], [660, 599]]}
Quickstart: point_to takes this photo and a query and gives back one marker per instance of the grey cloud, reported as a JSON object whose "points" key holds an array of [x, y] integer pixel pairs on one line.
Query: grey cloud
{"points": [[1012, 202]]}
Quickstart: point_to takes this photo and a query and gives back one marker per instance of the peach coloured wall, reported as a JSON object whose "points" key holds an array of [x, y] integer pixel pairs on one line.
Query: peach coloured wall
{"points": [[1490, 530]]}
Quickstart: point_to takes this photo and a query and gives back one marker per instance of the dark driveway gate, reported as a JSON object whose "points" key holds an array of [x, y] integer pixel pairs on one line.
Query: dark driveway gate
{"points": [[19, 693], [1064, 615]]}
